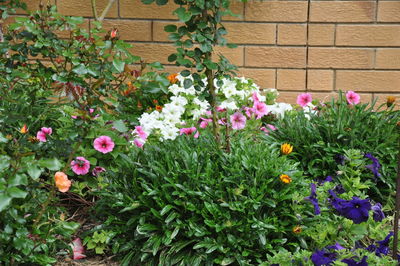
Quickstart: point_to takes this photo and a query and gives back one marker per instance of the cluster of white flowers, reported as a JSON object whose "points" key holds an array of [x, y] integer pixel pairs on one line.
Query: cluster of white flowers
{"points": [[279, 109]]}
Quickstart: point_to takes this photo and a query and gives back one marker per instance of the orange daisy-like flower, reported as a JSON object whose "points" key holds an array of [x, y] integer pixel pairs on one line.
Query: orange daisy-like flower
{"points": [[297, 229], [285, 179], [172, 78], [158, 108], [286, 148], [62, 182], [24, 129], [390, 100]]}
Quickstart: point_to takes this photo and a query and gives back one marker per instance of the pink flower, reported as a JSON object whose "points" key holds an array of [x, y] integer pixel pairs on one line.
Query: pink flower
{"points": [[80, 166], [104, 144], [249, 111], [238, 121], [78, 249], [205, 121], [304, 99], [196, 136], [352, 97], [260, 109], [139, 143], [42, 134], [91, 110], [255, 97], [220, 109], [74, 117], [272, 127], [187, 130], [97, 170], [222, 121], [265, 130], [139, 131]]}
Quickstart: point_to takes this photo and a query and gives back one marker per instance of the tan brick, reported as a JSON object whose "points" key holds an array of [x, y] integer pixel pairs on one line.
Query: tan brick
{"points": [[151, 52], [285, 11], [84, 8], [237, 7], [130, 30], [384, 81], [368, 35], [291, 97], [265, 78], [291, 79], [388, 58], [381, 99], [342, 11], [136, 9], [234, 55], [340, 58], [321, 34], [159, 34], [292, 34], [290, 57], [251, 33], [320, 80], [388, 11]]}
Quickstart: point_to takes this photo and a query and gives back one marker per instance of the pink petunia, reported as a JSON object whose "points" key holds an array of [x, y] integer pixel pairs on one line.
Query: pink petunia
{"points": [[352, 97], [248, 111], [196, 136], [272, 127], [80, 166], [238, 121], [304, 99], [255, 97], [187, 130], [220, 109], [104, 144], [222, 121], [78, 249], [139, 143], [204, 122], [97, 170], [43, 132], [260, 109], [139, 131]]}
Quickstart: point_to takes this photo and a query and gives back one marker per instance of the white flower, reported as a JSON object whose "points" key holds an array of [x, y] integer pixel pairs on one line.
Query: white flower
{"points": [[175, 89], [169, 132], [279, 109], [229, 104], [203, 104], [178, 101], [308, 110], [172, 110]]}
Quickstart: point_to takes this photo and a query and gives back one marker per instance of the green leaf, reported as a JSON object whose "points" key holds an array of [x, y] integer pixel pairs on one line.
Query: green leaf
{"points": [[170, 28], [182, 14], [166, 209], [147, 2], [18, 179], [80, 69], [118, 64], [120, 126], [4, 201], [34, 172], [187, 83], [3, 139], [172, 57], [161, 2], [15, 192], [4, 162], [185, 73], [52, 164]]}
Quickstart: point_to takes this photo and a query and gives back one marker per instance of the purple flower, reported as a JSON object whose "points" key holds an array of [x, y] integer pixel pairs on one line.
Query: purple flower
{"points": [[97, 170], [337, 246], [355, 209], [378, 213], [321, 257], [352, 262], [383, 247], [374, 167], [313, 199], [340, 159], [339, 189]]}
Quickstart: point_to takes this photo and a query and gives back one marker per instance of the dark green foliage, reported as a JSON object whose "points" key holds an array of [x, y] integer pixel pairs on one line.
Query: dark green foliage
{"points": [[188, 202]]}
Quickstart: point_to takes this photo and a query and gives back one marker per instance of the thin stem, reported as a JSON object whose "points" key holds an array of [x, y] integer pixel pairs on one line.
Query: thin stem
{"points": [[227, 136], [397, 207], [105, 11], [94, 10]]}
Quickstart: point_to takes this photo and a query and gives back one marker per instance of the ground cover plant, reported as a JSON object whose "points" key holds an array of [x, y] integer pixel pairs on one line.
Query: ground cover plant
{"points": [[104, 154]]}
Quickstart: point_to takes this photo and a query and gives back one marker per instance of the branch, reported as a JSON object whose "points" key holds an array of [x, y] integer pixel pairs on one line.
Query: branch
{"points": [[105, 11], [94, 10]]}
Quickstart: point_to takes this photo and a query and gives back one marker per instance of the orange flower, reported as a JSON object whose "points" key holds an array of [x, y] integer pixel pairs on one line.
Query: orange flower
{"points": [[390, 101], [62, 182], [285, 179], [297, 229], [286, 148], [155, 101], [24, 129], [158, 108], [172, 78]]}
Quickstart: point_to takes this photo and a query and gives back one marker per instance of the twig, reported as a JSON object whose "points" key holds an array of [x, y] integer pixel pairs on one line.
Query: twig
{"points": [[397, 207], [105, 11], [94, 10]]}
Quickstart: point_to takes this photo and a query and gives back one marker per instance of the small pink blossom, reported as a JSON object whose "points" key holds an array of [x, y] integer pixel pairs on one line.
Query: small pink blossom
{"points": [[238, 121], [209, 113], [104, 144], [78, 249], [97, 170], [272, 127], [74, 116], [268, 128], [260, 109], [205, 121], [265, 130], [196, 136], [255, 97], [139, 131], [91, 110], [187, 130], [222, 121], [139, 143], [42, 134], [352, 97], [304, 99], [80, 166], [248, 111], [220, 109]]}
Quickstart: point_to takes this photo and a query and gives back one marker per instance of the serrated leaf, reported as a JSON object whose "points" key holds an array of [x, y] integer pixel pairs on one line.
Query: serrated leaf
{"points": [[4, 201], [15, 192], [34, 172]]}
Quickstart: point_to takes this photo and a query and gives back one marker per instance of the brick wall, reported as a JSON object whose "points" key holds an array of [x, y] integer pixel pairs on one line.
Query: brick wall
{"points": [[294, 45]]}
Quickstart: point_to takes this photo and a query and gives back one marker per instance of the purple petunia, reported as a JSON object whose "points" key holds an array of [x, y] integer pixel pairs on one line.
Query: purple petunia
{"points": [[378, 213], [340, 159], [313, 199], [322, 257], [337, 246], [352, 262], [383, 247], [356, 209], [374, 167]]}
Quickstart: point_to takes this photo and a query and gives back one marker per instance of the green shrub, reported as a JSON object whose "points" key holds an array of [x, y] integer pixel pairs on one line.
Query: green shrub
{"points": [[188, 202]]}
